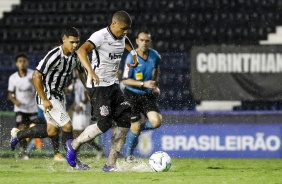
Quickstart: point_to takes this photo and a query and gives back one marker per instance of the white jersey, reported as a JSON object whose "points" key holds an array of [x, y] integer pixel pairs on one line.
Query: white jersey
{"points": [[79, 96], [106, 56], [24, 92]]}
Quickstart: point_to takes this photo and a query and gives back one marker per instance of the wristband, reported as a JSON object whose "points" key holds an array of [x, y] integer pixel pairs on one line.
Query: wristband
{"points": [[133, 52], [142, 84]]}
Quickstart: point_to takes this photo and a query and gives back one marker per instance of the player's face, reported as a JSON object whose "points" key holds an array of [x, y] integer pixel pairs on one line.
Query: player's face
{"points": [[70, 44], [143, 41], [22, 63], [120, 29]]}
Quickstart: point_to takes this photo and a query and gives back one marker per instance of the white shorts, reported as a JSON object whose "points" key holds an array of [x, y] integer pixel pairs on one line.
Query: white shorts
{"points": [[80, 121], [58, 115]]}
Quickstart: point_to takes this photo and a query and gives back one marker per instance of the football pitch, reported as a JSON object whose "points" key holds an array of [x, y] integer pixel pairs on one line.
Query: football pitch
{"points": [[198, 171]]}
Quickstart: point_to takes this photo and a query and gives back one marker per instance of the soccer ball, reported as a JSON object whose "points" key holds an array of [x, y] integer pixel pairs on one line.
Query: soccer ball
{"points": [[160, 161]]}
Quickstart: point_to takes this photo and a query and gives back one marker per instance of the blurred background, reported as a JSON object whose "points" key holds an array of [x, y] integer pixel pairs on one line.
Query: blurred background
{"points": [[34, 27]]}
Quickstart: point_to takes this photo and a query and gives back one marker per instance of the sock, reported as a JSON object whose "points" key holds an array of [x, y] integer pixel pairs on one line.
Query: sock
{"points": [[147, 126], [66, 136], [37, 131], [117, 142], [23, 146], [131, 142], [55, 143], [87, 135]]}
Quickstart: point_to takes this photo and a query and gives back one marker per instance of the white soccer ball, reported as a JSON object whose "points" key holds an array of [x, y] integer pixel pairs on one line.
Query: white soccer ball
{"points": [[160, 161]]}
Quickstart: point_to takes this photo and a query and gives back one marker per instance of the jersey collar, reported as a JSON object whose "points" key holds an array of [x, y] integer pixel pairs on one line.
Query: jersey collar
{"points": [[109, 30]]}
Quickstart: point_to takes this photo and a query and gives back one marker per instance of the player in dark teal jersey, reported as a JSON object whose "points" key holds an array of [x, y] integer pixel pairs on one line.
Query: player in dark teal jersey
{"points": [[141, 91]]}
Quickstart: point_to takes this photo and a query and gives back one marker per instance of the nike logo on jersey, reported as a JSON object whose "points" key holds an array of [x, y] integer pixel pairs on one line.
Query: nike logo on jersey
{"points": [[115, 44]]}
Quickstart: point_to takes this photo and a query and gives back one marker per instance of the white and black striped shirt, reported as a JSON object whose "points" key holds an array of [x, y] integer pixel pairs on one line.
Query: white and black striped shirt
{"points": [[57, 68]]}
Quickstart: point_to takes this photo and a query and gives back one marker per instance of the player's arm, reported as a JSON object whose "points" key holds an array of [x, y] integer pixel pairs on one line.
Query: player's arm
{"points": [[82, 53], [140, 84], [38, 85], [156, 75], [129, 47], [11, 97], [82, 76]]}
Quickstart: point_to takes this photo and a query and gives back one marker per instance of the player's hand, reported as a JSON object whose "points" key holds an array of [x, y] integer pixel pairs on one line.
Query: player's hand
{"points": [[156, 91], [17, 103], [94, 78], [47, 105], [134, 61], [149, 84]]}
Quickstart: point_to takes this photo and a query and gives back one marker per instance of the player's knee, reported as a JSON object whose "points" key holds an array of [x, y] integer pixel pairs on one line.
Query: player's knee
{"points": [[67, 127], [156, 121], [52, 133]]}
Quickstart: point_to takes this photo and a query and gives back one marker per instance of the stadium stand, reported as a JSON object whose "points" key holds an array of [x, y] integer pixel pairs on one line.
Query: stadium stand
{"points": [[34, 27]]}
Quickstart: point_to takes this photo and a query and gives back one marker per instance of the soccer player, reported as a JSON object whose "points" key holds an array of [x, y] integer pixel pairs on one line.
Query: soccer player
{"points": [[49, 79], [82, 113], [107, 46], [22, 93], [141, 91]]}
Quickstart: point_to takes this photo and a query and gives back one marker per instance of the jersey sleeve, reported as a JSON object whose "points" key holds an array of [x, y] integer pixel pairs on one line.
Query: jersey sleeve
{"points": [[48, 61], [158, 60], [96, 39], [127, 72], [11, 85]]}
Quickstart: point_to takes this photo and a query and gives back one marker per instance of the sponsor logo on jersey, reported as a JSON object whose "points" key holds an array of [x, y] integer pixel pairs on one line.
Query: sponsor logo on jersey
{"points": [[115, 56]]}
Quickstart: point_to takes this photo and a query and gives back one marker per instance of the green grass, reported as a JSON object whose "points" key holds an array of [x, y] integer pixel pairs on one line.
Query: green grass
{"points": [[198, 171]]}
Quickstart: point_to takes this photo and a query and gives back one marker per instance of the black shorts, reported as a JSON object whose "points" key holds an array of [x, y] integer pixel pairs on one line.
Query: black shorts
{"points": [[26, 118], [141, 104], [107, 101]]}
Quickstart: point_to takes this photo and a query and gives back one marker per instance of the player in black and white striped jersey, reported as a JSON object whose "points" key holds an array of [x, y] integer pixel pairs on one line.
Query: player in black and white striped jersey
{"points": [[49, 79]]}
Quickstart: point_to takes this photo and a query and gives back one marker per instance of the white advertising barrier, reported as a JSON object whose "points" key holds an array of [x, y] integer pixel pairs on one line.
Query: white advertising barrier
{"points": [[210, 141]]}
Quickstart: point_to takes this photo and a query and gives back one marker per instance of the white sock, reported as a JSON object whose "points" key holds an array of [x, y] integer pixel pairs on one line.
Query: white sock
{"points": [[87, 135], [117, 142]]}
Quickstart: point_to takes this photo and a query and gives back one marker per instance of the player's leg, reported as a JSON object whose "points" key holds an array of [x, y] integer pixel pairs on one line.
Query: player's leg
{"points": [[154, 120], [101, 110], [79, 122], [118, 139], [136, 103], [37, 131], [23, 143], [121, 115], [55, 141], [152, 112]]}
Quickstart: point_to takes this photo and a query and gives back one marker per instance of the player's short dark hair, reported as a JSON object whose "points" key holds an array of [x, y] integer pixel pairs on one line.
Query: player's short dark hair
{"points": [[71, 31], [123, 16], [145, 31], [21, 55]]}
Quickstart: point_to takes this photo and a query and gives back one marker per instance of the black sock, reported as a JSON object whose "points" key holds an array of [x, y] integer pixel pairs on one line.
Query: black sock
{"points": [[37, 131], [23, 144], [66, 136], [56, 143]]}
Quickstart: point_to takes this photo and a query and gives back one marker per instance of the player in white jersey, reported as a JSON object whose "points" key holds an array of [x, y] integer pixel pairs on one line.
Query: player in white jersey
{"points": [[49, 79], [107, 100], [22, 93], [82, 113]]}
